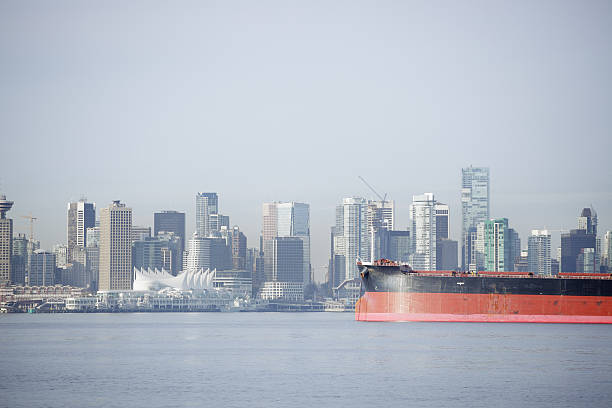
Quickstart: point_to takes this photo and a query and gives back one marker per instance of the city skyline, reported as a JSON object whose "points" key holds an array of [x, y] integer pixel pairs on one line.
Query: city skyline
{"points": [[21, 226], [228, 105]]}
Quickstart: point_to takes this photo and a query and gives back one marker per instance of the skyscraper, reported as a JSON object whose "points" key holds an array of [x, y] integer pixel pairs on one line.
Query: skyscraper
{"points": [[170, 221], [206, 204], [351, 238], [475, 206], [6, 241], [286, 219], [423, 218], [588, 220], [380, 218], [81, 215], [115, 269], [538, 252]]}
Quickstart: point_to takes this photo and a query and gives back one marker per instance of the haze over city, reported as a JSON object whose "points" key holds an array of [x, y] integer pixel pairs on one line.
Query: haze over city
{"points": [[275, 101]]}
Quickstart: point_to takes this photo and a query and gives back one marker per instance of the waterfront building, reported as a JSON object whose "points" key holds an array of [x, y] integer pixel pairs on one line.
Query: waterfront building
{"points": [[475, 207], [42, 268], [423, 218], [380, 218], [6, 241], [81, 216], [206, 204], [115, 262], [538, 253], [238, 281], [170, 221]]}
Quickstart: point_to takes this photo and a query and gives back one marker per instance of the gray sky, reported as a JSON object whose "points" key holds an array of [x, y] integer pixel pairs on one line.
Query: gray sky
{"points": [[150, 102]]}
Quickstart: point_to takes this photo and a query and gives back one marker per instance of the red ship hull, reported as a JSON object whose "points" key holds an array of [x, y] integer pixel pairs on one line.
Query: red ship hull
{"points": [[463, 307]]}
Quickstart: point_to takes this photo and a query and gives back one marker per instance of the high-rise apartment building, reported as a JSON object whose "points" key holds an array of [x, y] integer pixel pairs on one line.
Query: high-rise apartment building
{"points": [[170, 221], [350, 238], [498, 245], [475, 207], [115, 264], [6, 241], [538, 252], [81, 216], [423, 218], [206, 204]]}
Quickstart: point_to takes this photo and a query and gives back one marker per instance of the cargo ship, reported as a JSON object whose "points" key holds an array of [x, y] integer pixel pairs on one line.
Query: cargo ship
{"points": [[394, 292]]}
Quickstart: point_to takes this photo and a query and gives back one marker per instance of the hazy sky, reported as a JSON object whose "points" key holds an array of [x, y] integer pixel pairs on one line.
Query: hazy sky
{"points": [[150, 102]]}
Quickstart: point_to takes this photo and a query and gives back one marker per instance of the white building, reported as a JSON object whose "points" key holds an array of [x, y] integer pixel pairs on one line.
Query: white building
{"points": [[423, 218], [351, 238], [538, 252]]}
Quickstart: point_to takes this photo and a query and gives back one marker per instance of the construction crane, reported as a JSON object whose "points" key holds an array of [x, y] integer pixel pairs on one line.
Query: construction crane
{"points": [[383, 199], [29, 217]]}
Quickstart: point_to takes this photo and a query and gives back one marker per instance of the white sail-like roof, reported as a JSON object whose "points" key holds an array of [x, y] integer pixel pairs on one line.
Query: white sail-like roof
{"points": [[148, 279]]}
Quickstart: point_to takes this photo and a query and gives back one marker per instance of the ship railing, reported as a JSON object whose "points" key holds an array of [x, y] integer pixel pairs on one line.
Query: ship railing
{"points": [[585, 275]]}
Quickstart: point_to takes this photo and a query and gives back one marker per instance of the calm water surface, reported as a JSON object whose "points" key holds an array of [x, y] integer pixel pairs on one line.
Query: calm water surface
{"points": [[297, 359]]}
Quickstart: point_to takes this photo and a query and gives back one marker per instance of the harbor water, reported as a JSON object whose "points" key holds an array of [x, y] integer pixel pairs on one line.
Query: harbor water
{"points": [[297, 360]]}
